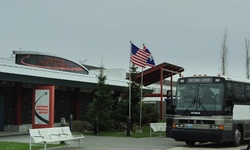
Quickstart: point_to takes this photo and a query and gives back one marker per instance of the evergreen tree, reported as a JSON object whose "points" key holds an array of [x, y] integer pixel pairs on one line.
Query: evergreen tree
{"points": [[122, 110], [101, 107], [135, 96], [120, 106]]}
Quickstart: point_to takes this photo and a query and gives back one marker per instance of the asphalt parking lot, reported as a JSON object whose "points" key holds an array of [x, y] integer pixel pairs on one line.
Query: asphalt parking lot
{"points": [[128, 143]]}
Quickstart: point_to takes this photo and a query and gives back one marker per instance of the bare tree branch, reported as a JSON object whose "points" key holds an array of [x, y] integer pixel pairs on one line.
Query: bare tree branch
{"points": [[247, 58], [224, 54]]}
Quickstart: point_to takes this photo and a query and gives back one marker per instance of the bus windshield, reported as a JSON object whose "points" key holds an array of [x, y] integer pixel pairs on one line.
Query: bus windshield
{"points": [[205, 98]]}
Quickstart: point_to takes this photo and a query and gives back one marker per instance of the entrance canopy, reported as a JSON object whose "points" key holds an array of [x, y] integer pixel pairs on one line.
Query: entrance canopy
{"points": [[153, 75], [156, 74]]}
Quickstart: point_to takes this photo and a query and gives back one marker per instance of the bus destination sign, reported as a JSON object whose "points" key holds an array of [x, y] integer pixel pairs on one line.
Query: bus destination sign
{"points": [[199, 80]]}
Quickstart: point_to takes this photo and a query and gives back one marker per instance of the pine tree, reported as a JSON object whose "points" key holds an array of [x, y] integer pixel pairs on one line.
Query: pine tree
{"points": [[123, 103], [135, 96], [101, 107]]}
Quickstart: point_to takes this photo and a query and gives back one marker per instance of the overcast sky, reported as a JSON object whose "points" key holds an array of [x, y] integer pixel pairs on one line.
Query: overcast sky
{"points": [[187, 33]]}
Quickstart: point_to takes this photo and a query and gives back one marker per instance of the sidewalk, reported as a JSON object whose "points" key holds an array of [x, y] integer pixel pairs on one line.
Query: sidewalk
{"points": [[4, 134]]}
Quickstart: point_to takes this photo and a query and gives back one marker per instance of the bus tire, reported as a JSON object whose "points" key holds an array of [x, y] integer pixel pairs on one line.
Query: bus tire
{"points": [[190, 143], [237, 137]]}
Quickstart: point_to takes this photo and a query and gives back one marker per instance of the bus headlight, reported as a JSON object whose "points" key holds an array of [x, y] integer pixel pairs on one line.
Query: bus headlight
{"points": [[217, 127], [177, 125]]}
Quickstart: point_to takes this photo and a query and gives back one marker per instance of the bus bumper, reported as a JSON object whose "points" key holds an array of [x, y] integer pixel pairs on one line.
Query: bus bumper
{"points": [[202, 135]]}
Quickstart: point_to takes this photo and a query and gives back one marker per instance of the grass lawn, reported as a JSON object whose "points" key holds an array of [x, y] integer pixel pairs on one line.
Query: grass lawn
{"points": [[22, 146], [123, 133]]}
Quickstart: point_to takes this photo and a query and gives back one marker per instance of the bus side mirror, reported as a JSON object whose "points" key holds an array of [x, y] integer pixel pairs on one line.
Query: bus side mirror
{"points": [[169, 93]]}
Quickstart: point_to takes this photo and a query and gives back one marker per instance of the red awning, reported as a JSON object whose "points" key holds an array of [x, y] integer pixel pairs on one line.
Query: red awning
{"points": [[153, 75]]}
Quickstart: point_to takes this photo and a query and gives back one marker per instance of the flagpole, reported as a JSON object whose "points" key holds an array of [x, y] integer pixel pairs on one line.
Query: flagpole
{"points": [[139, 57], [129, 97], [141, 96], [130, 82]]}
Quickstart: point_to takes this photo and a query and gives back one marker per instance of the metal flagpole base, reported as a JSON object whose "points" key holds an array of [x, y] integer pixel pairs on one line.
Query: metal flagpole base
{"points": [[128, 126]]}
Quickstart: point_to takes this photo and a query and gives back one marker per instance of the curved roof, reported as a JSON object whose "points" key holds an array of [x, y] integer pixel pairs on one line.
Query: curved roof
{"points": [[9, 71]]}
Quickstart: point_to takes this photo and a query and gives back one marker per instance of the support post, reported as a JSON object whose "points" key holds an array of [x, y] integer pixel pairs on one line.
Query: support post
{"points": [[161, 93], [96, 130], [128, 126], [71, 122], [63, 124]]}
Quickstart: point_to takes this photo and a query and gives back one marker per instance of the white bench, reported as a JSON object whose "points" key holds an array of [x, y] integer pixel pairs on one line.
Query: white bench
{"points": [[157, 127], [50, 135]]}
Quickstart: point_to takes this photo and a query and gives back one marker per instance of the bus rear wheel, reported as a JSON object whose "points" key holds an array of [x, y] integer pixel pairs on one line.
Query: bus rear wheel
{"points": [[237, 137], [190, 143]]}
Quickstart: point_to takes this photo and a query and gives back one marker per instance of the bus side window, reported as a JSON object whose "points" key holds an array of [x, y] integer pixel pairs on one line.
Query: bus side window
{"points": [[229, 97], [239, 92], [229, 93]]}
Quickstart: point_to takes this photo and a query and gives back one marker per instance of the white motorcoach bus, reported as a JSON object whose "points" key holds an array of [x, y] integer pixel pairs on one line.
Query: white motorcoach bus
{"points": [[210, 109]]}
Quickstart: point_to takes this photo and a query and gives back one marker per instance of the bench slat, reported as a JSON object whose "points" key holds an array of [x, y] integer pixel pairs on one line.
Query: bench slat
{"points": [[37, 138]]}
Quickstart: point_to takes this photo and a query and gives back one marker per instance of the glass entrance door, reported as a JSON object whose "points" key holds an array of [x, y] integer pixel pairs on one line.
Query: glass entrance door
{"points": [[1, 112]]}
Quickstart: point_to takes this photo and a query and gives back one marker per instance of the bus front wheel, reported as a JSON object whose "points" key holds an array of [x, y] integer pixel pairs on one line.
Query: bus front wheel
{"points": [[237, 137], [190, 143]]}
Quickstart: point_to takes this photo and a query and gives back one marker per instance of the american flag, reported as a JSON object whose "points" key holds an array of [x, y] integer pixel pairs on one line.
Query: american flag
{"points": [[139, 56]]}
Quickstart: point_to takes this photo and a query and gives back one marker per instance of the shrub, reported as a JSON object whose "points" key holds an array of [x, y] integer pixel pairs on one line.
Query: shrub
{"points": [[149, 114], [81, 126]]}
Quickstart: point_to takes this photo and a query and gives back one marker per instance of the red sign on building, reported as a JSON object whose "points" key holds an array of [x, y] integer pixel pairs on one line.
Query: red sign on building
{"points": [[39, 60]]}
